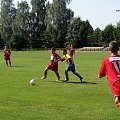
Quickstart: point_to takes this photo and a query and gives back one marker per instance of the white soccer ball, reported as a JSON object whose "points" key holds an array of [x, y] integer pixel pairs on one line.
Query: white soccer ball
{"points": [[32, 82]]}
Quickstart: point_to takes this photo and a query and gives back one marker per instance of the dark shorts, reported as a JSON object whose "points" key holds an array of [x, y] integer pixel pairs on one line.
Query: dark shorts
{"points": [[71, 67]]}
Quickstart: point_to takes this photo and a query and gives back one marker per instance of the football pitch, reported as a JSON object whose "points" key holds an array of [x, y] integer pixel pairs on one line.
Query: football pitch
{"points": [[52, 100]]}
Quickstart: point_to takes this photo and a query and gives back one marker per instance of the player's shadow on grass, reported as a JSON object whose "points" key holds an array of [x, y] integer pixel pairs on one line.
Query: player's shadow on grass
{"points": [[72, 82], [84, 82], [16, 66]]}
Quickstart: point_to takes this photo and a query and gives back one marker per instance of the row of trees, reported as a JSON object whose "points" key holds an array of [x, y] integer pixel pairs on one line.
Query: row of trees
{"points": [[49, 24]]}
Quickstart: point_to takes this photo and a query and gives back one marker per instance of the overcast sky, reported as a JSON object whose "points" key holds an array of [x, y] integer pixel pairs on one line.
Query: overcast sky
{"points": [[99, 12]]}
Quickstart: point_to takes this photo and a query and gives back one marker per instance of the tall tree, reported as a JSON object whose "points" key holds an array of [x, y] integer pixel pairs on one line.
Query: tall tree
{"points": [[118, 31], [7, 16], [88, 33], [37, 17], [79, 32], [1, 41], [21, 23], [97, 38], [73, 31], [57, 18], [109, 34]]}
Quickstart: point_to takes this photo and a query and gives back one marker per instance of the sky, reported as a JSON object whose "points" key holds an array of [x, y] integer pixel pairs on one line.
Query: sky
{"points": [[99, 13]]}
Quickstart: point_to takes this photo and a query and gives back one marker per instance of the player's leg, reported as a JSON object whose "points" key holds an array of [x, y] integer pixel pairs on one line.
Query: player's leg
{"points": [[74, 72], [6, 63], [9, 62], [78, 75], [45, 73], [55, 69], [71, 67], [117, 101], [66, 75], [57, 74], [115, 87]]}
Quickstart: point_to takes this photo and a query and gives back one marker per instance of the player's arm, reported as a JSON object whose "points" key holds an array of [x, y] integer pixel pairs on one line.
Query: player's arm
{"points": [[66, 60], [63, 59], [58, 59], [4, 51], [74, 52], [10, 51], [99, 76], [102, 72]]}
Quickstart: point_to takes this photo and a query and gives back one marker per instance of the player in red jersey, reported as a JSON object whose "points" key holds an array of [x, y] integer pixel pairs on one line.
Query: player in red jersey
{"points": [[53, 65], [111, 68], [7, 53], [71, 50]]}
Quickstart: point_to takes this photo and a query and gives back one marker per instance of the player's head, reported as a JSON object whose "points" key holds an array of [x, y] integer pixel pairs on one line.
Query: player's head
{"points": [[64, 51], [71, 45], [53, 49], [113, 46], [5, 47]]}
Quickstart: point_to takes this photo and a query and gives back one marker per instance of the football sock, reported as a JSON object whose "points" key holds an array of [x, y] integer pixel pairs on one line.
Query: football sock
{"points": [[78, 76], [66, 74]]}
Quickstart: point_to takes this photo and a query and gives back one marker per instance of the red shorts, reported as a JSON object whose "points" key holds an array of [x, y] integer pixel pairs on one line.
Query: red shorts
{"points": [[6, 57], [115, 87], [53, 67]]}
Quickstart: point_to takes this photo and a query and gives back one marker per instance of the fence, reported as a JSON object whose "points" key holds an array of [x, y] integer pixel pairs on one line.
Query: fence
{"points": [[84, 49]]}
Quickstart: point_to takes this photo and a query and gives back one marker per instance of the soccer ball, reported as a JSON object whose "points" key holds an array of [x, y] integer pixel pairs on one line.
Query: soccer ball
{"points": [[32, 82]]}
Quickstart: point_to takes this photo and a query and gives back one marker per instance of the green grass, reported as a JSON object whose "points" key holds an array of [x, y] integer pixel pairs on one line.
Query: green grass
{"points": [[51, 100]]}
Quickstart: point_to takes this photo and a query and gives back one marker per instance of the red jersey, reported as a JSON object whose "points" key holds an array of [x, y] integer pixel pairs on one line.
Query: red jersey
{"points": [[71, 51], [7, 53], [53, 65], [111, 68], [54, 58]]}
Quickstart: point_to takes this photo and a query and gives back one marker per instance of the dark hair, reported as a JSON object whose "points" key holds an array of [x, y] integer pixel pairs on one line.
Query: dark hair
{"points": [[53, 48], [65, 50], [113, 46]]}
